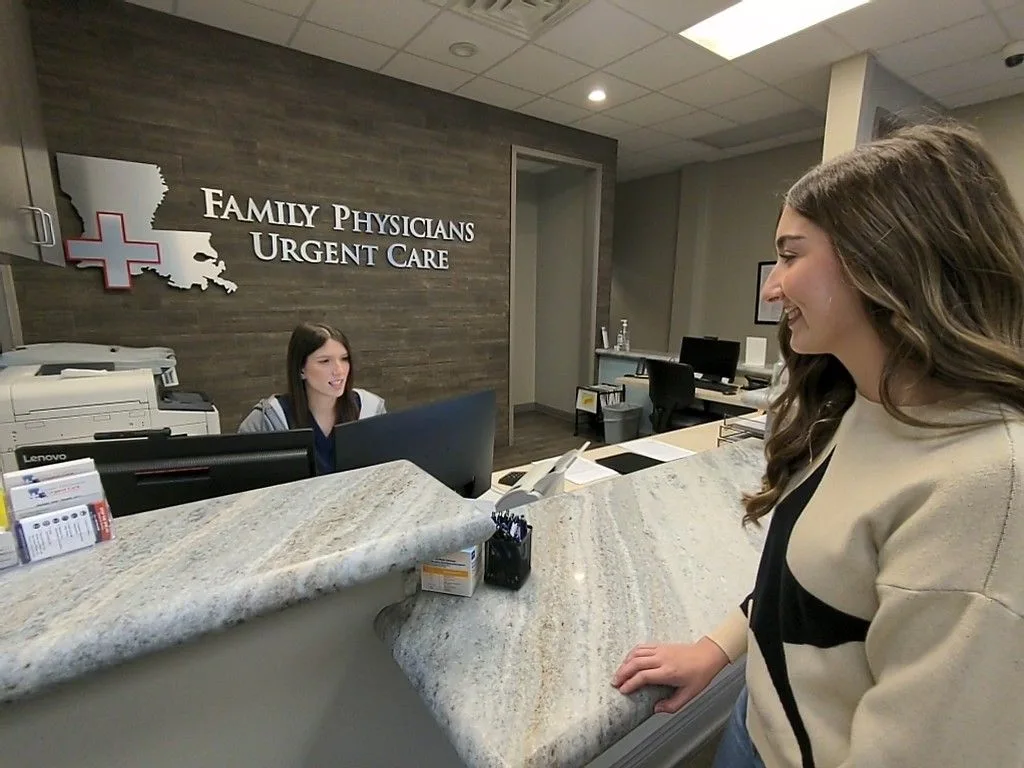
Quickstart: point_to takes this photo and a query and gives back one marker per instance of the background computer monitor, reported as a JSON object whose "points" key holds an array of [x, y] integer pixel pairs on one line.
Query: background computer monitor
{"points": [[451, 440], [140, 474], [713, 358]]}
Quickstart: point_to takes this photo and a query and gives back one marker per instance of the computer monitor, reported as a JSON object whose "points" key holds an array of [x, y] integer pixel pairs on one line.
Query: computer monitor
{"points": [[712, 358], [140, 474], [451, 440]]}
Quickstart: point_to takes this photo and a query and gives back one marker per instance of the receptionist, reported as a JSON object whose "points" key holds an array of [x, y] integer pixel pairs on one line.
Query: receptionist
{"points": [[321, 391]]}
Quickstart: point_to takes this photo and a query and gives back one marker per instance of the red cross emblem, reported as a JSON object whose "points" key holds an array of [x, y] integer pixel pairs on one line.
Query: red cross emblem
{"points": [[112, 249]]}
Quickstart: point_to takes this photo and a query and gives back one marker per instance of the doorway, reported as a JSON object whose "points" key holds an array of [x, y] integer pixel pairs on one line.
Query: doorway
{"points": [[556, 216]]}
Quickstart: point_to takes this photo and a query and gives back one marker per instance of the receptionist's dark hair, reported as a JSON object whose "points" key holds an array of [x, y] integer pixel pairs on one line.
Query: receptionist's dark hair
{"points": [[306, 339]]}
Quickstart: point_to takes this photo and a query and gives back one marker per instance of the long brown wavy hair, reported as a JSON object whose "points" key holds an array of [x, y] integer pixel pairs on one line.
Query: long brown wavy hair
{"points": [[926, 230], [306, 339]]}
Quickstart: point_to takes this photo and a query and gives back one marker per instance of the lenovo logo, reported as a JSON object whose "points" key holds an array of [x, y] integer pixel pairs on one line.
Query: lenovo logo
{"points": [[42, 458]]}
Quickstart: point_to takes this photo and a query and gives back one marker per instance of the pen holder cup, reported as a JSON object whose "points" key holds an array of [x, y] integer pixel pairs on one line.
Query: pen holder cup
{"points": [[507, 562]]}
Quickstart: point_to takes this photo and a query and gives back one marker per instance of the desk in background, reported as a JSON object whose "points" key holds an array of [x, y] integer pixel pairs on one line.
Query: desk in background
{"points": [[612, 363], [717, 404]]}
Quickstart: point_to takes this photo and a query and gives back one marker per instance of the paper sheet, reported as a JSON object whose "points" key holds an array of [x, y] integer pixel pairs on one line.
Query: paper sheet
{"points": [[585, 471], [756, 351], [656, 450]]}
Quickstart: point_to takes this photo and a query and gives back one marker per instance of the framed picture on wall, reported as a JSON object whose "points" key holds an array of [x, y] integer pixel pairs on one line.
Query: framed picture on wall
{"points": [[766, 313]]}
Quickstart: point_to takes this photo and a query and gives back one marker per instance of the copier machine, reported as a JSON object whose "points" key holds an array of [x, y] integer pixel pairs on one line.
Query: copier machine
{"points": [[65, 393]]}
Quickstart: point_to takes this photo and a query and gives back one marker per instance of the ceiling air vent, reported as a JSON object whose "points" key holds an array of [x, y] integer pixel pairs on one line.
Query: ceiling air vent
{"points": [[523, 18]]}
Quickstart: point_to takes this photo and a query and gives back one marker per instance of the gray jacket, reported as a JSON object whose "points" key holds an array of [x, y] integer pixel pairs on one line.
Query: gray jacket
{"points": [[268, 415]]}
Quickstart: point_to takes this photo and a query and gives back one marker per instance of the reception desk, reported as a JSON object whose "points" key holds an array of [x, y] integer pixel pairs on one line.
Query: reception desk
{"points": [[522, 679], [232, 632]]}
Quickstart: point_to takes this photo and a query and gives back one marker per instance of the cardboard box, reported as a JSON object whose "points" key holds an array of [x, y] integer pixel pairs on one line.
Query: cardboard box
{"points": [[455, 574]]}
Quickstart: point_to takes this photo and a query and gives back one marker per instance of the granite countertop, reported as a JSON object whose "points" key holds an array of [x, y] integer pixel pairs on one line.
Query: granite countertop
{"points": [[174, 574], [522, 679]]}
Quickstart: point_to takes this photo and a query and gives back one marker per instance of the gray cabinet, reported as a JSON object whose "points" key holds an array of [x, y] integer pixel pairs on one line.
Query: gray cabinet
{"points": [[28, 213]]}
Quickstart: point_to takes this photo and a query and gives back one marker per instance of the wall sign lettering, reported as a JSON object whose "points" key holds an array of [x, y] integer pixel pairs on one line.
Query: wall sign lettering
{"points": [[272, 246]]}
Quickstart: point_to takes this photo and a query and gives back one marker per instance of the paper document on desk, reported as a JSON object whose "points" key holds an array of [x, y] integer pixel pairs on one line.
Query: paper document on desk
{"points": [[585, 471], [653, 449]]}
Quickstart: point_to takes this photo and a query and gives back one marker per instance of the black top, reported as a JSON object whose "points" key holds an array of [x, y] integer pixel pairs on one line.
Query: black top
{"points": [[323, 444]]}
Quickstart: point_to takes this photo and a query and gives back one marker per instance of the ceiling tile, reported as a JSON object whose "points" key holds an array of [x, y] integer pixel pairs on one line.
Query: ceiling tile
{"points": [[670, 60], [649, 109], [644, 138], [811, 88], [795, 55], [680, 152], [722, 84], [291, 7], [696, 124], [405, 66], [241, 17], [617, 91], [537, 70], [493, 92], [389, 22], [966, 76], [447, 28], [879, 24], [555, 111], [604, 125], [577, 37], [985, 93], [672, 16], [335, 45], [779, 141], [965, 41], [757, 106], [167, 6], [1013, 18]]}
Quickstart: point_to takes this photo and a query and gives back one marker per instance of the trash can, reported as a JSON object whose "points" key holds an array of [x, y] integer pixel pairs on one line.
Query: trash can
{"points": [[621, 422]]}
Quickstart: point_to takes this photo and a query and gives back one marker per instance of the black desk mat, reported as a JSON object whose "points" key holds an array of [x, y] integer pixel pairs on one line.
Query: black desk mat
{"points": [[627, 462]]}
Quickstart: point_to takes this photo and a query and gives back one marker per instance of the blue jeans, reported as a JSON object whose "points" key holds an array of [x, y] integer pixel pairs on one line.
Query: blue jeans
{"points": [[736, 750]]}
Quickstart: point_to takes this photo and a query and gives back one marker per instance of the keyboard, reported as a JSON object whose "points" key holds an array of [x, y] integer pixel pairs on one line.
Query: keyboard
{"points": [[717, 386]]}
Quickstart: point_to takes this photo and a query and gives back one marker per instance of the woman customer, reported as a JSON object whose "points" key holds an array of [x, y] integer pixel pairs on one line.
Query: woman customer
{"points": [[321, 391], [885, 624]]}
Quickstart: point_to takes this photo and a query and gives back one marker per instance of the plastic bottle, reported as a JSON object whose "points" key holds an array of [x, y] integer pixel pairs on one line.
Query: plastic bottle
{"points": [[625, 335]]}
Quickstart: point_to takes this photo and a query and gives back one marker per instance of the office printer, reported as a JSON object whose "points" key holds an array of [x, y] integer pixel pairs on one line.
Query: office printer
{"points": [[62, 393]]}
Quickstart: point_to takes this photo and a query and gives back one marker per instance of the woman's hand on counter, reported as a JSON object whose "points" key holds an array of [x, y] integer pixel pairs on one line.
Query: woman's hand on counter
{"points": [[686, 667]]}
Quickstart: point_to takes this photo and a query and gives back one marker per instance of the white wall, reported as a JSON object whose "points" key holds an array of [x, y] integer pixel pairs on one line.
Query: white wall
{"points": [[561, 222], [643, 259], [524, 293], [744, 198], [1001, 123]]}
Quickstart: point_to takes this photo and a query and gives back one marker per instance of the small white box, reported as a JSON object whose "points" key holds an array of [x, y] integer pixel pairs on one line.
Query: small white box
{"points": [[455, 574], [8, 549], [48, 472], [59, 493]]}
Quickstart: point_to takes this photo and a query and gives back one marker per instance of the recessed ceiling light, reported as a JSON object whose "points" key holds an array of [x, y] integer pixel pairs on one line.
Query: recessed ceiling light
{"points": [[463, 50], [753, 24], [597, 95]]}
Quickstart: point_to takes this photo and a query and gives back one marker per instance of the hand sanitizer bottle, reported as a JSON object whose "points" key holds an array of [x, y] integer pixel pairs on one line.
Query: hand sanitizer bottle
{"points": [[625, 335]]}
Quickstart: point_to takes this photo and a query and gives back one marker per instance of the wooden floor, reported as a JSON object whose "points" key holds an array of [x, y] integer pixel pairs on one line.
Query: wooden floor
{"points": [[539, 436]]}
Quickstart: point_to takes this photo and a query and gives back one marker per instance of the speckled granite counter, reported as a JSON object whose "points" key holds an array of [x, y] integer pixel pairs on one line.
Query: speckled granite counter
{"points": [[176, 574], [523, 678]]}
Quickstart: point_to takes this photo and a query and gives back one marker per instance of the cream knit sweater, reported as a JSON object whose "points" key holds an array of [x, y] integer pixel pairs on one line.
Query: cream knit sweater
{"points": [[885, 627]]}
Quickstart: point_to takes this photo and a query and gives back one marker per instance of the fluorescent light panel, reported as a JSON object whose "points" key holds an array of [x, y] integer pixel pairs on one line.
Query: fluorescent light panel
{"points": [[753, 24]]}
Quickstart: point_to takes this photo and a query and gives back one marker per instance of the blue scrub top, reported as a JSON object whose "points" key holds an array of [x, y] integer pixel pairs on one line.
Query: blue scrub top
{"points": [[324, 445]]}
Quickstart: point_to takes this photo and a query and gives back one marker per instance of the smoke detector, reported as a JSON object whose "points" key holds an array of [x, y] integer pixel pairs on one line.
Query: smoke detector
{"points": [[523, 18]]}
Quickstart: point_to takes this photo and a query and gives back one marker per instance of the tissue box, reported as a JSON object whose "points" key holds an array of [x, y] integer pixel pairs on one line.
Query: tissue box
{"points": [[454, 574]]}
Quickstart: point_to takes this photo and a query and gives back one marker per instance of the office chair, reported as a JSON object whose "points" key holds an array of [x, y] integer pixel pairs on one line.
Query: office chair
{"points": [[672, 393]]}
